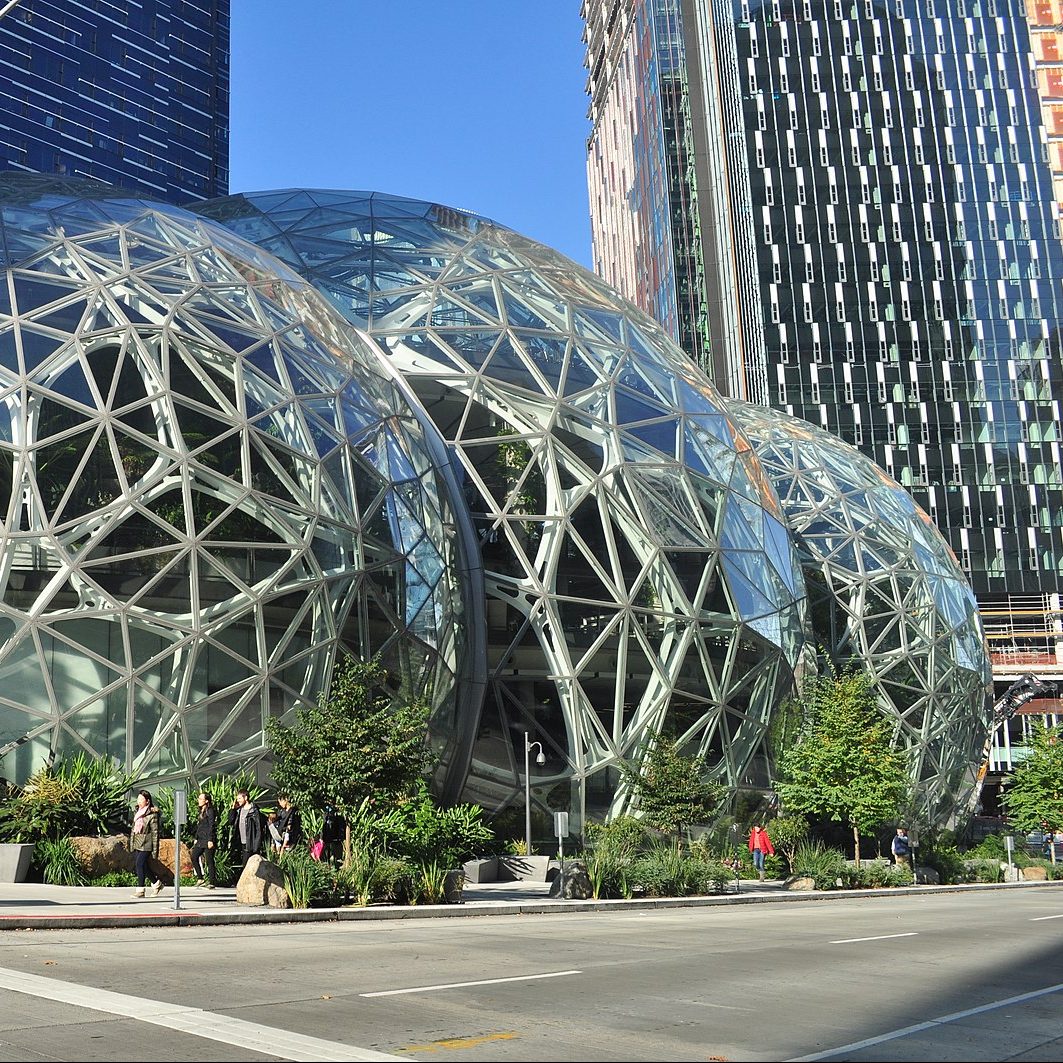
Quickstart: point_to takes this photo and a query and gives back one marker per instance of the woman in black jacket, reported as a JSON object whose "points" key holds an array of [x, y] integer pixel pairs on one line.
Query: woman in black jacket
{"points": [[206, 841], [289, 824]]}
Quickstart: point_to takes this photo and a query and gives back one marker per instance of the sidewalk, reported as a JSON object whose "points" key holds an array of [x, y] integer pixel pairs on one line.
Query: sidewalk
{"points": [[33, 906]]}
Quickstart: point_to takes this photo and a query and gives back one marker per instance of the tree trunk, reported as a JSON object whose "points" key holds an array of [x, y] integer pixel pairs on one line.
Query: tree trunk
{"points": [[347, 846], [856, 844]]}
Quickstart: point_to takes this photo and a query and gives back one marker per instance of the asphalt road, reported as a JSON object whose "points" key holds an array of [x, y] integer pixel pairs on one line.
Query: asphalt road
{"points": [[976, 976]]}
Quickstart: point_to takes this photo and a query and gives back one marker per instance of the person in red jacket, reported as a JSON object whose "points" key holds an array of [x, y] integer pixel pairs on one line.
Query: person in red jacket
{"points": [[759, 844]]}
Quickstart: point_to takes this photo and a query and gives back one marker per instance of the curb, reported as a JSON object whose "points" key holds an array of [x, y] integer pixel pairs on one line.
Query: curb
{"points": [[259, 916]]}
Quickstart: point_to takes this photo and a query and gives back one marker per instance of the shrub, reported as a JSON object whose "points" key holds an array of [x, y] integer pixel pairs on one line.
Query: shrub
{"points": [[608, 872], [880, 873], [305, 879], [983, 869], [826, 867], [622, 836], [115, 878], [79, 796], [422, 832], [59, 862], [990, 847], [429, 883], [393, 880], [945, 860], [786, 834]]}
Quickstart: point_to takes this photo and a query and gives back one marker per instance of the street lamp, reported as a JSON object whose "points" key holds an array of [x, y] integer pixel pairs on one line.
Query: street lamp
{"points": [[540, 760]]}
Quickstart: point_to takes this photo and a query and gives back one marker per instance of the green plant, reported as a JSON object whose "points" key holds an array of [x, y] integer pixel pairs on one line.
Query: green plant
{"points": [[786, 835], [59, 863], [425, 833], [991, 847], [76, 796], [945, 860], [825, 866], [1033, 796], [429, 883], [357, 744], [305, 879], [114, 878], [671, 789], [880, 873], [844, 766], [983, 869]]}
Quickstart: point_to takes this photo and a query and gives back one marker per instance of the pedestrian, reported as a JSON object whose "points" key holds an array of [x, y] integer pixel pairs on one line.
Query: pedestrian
{"points": [[206, 842], [760, 846], [289, 823], [246, 822], [902, 848], [144, 841], [333, 832]]}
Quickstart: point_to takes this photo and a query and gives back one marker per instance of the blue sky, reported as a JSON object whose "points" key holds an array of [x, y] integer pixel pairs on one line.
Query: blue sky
{"points": [[477, 104]]}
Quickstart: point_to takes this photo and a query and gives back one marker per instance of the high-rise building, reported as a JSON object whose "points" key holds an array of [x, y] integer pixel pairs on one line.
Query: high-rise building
{"points": [[131, 92], [846, 210]]}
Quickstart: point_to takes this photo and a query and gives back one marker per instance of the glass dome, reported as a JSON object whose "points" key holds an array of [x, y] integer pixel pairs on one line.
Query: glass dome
{"points": [[209, 483], [884, 590], [638, 572]]}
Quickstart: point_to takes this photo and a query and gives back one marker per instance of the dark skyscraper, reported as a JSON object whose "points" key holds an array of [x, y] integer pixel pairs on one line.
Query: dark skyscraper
{"points": [[845, 210], [132, 93]]}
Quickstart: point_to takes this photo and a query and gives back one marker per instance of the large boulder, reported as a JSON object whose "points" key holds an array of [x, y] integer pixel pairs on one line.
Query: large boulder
{"points": [[100, 856], [162, 867], [1034, 874], [262, 882], [926, 876], [573, 883], [801, 882]]}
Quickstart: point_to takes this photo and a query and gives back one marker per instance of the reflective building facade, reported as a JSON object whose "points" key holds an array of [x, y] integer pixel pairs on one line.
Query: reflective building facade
{"points": [[637, 569], [885, 592], [869, 187], [209, 484], [131, 92]]}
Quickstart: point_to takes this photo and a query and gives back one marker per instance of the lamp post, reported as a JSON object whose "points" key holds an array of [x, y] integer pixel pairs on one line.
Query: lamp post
{"points": [[540, 760]]}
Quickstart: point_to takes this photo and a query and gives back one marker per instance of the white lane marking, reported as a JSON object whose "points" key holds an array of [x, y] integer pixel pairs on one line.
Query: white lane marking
{"points": [[919, 1027], [1042, 918], [206, 1024], [881, 937], [462, 985]]}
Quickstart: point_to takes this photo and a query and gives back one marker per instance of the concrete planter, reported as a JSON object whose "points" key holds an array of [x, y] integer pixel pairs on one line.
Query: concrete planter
{"points": [[15, 860]]}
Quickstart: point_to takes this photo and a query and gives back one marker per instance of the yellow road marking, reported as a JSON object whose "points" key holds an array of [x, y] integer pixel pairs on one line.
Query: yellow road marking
{"points": [[459, 1042]]}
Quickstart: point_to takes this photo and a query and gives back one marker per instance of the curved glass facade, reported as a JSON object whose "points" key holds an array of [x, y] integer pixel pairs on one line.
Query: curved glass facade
{"points": [[886, 592], [209, 482], [638, 571]]}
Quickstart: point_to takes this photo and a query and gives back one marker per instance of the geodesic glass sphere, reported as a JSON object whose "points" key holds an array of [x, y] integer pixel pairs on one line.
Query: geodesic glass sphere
{"points": [[209, 484], [885, 591], [638, 573]]}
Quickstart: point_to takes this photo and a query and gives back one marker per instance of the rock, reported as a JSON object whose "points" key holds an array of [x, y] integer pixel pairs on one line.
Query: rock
{"points": [[801, 882], [1034, 874], [926, 876], [573, 883], [162, 868], [262, 882], [99, 856]]}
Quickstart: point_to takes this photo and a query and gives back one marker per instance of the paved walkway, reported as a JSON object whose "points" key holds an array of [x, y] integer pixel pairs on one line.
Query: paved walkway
{"points": [[31, 905]]}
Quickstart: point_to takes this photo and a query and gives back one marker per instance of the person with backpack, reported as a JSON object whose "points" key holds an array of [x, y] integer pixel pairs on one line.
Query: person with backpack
{"points": [[902, 848], [246, 822], [289, 824]]}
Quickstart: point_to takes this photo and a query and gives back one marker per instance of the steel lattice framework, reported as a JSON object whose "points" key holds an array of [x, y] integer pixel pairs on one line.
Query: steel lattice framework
{"points": [[208, 482], [638, 572], [885, 593]]}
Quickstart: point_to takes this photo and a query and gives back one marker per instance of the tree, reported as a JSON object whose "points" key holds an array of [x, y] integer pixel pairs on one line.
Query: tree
{"points": [[354, 745], [671, 789], [1034, 794], [786, 834], [844, 766]]}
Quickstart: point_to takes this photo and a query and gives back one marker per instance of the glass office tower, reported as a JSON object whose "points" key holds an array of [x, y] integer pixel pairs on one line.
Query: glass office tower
{"points": [[860, 210], [131, 92]]}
